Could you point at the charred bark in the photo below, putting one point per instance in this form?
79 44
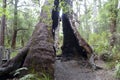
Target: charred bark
55 17
73 43
74 46
55 24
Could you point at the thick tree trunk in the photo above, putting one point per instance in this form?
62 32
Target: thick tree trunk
38 56
73 43
41 53
74 46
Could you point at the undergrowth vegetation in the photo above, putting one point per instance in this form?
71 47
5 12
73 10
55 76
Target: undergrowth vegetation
101 46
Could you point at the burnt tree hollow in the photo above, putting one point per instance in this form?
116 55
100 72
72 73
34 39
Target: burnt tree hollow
71 47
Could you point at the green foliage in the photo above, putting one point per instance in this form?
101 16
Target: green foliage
65 7
99 41
29 77
17 72
46 12
101 46
35 77
117 71
113 57
45 77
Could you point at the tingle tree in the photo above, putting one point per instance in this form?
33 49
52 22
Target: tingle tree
73 44
39 55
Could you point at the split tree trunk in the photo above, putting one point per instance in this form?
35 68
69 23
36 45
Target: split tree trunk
73 43
74 46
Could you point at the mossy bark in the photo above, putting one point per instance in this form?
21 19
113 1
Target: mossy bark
40 58
38 55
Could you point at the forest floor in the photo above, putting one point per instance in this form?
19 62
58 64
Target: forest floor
76 70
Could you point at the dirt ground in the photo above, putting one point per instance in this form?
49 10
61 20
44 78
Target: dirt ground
76 70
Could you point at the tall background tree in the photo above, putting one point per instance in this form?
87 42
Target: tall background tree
2 30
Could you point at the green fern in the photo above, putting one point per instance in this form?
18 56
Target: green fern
117 71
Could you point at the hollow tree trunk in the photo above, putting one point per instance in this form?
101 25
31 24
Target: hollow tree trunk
38 55
73 43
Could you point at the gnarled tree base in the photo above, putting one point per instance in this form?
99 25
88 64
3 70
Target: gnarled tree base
38 56
74 46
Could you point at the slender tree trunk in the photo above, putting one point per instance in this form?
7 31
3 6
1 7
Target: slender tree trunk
22 41
14 36
2 31
55 24
86 20
113 22
100 5
3 24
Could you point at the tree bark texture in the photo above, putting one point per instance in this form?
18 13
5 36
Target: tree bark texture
39 55
113 21
3 24
55 24
14 36
73 43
